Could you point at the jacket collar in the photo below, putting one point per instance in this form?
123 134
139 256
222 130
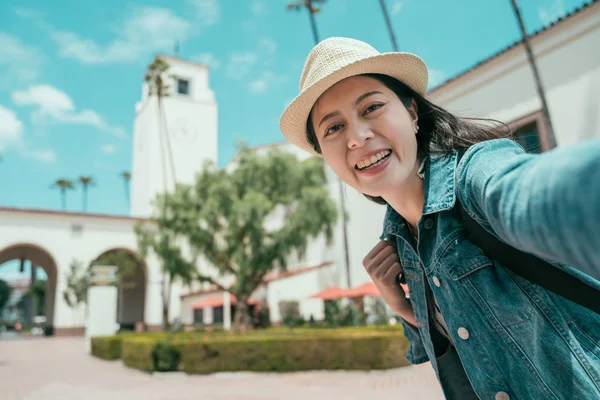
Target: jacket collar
438 173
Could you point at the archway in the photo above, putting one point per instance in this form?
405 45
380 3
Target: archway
131 273
38 258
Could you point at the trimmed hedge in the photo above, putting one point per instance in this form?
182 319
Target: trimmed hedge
352 352
279 350
107 347
136 352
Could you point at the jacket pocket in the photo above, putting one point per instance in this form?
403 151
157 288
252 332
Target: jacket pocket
460 256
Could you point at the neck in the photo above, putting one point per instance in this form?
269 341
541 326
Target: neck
408 198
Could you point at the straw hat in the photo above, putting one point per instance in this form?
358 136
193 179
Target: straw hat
338 58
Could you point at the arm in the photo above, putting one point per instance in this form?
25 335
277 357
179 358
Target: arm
547 205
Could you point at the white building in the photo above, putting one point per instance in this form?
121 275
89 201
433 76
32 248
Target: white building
500 87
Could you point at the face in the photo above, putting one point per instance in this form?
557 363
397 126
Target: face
367 135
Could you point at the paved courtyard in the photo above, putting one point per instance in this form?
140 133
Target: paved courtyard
58 368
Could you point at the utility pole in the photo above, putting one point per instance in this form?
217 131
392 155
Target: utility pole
538 82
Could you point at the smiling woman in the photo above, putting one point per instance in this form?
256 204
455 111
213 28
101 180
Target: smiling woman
366 114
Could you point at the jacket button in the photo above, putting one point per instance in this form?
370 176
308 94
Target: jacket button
428 224
463 333
502 396
436 281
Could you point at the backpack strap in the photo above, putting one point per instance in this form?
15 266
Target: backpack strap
530 267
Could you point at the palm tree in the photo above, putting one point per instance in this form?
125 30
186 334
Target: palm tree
126 176
389 24
312 10
536 75
86 181
157 87
63 185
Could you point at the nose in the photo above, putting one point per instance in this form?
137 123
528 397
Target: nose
359 135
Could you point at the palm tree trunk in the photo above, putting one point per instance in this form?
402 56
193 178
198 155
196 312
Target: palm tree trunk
63 196
162 146
313 25
85 189
168 140
389 24
538 82
126 184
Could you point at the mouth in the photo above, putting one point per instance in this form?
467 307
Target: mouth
374 161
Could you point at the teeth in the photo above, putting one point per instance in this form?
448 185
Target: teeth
370 161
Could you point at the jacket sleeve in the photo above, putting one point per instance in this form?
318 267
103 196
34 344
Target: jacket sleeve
545 204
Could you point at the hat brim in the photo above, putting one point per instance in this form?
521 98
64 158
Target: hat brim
405 67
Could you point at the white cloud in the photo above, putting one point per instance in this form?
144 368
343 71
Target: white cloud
145 30
267 44
207 11
11 136
108 149
42 155
397 7
19 63
551 12
264 81
259 8
208 59
54 105
11 129
240 64
436 77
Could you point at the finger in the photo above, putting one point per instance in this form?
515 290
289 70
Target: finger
382 268
376 249
392 273
383 254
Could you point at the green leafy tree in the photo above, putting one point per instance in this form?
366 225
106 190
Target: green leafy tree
77 285
224 215
86 181
164 244
63 185
38 294
5 292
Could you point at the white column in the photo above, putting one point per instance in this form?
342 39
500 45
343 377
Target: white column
226 311
102 316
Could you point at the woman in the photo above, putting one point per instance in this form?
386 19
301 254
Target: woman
488 333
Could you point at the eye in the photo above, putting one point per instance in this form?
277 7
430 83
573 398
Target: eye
372 108
333 129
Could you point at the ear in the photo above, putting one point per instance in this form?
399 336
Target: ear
413 111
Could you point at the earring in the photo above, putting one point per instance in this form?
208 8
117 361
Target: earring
417 127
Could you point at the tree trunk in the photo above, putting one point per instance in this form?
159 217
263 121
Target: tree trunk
63 196
126 183
313 25
166 294
168 140
389 24
241 321
538 82
85 189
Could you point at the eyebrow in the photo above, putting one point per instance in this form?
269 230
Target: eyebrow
358 100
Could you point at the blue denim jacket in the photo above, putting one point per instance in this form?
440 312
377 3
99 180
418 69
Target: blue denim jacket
512 336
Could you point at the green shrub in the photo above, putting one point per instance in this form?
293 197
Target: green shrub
324 351
106 347
165 357
136 352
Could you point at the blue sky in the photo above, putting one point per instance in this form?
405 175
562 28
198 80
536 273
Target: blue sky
71 72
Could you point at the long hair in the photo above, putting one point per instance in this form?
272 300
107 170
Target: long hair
440 132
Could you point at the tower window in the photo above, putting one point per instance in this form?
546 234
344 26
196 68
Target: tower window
183 86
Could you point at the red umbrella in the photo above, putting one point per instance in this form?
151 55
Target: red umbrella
330 293
366 289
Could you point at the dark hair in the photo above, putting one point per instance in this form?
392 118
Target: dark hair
440 132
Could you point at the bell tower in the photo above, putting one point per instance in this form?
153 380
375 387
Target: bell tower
172 140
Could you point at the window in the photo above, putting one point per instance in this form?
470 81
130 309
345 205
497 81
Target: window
530 132
198 316
183 86
218 315
528 137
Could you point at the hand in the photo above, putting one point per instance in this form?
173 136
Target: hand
382 264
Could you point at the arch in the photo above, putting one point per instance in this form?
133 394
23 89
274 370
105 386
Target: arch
42 258
131 298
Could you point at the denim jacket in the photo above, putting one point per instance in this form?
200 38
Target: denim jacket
513 337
